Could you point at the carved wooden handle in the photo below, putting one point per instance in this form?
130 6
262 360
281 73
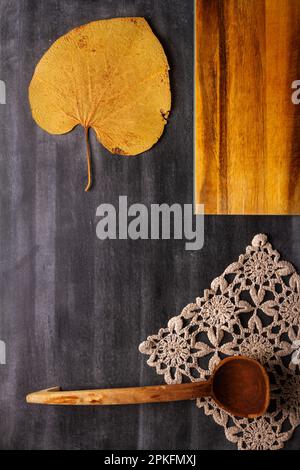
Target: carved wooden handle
121 396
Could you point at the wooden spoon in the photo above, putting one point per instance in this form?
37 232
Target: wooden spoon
239 385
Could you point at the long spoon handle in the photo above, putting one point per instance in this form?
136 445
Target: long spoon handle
121 396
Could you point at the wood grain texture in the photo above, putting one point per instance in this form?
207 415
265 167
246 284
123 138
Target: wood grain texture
247 128
121 396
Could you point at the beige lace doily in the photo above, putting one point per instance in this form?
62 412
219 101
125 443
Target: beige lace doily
252 309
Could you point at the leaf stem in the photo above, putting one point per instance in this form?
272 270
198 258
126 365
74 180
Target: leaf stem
88 159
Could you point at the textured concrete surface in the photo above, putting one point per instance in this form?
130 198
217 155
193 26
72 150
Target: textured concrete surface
73 308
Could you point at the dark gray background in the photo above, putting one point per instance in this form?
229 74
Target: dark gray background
73 308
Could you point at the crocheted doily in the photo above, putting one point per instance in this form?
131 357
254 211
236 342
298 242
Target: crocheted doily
252 309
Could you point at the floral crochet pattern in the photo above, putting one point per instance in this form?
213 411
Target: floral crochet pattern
252 309
296 354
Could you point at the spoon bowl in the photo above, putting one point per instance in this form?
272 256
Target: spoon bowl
240 386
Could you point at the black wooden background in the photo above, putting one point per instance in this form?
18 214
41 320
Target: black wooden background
73 308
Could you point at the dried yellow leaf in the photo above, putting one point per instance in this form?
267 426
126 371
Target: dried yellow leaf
109 75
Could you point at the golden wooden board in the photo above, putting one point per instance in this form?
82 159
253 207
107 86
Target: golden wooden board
247 150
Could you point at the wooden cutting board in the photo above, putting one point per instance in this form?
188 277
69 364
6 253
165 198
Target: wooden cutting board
247 153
